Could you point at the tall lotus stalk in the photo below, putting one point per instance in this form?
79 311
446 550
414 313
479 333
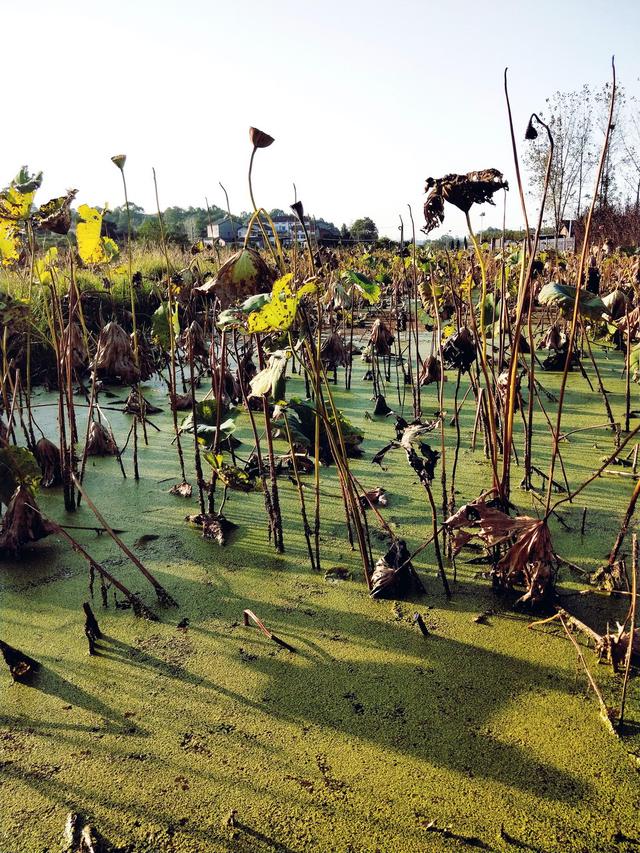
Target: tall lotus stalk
260 139
583 255
299 212
523 292
119 160
463 191
172 336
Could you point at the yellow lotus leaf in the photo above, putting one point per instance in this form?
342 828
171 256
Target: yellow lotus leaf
92 248
9 243
110 248
17 198
44 266
279 313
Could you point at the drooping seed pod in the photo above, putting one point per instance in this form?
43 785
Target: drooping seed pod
260 139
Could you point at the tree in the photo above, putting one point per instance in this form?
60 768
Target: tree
614 156
116 221
569 116
631 145
326 232
150 230
345 234
364 230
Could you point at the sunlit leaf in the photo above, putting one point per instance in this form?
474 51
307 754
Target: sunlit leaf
17 198
369 290
44 266
92 248
9 243
271 380
280 311
233 316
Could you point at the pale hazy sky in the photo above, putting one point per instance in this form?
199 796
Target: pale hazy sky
365 99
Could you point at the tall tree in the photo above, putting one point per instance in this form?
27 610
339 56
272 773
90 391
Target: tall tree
569 116
364 230
609 185
630 137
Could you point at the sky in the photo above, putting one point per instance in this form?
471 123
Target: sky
365 99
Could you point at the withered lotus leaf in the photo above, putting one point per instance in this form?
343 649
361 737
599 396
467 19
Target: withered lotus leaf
502 387
73 347
379 456
528 559
182 402
99 441
114 355
214 527
462 191
22 523
55 215
381 408
394 575
137 404
181 490
48 456
617 302
615 646
21 666
298 209
244 274
433 207
333 352
459 350
630 324
553 338
381 338
374 496
431 371
530 133
119 160
192 341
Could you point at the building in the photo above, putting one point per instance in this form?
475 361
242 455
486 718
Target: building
563 241
288 229
226 230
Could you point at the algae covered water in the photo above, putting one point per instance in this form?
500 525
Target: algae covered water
370 737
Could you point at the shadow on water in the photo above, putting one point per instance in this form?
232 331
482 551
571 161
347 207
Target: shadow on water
51 683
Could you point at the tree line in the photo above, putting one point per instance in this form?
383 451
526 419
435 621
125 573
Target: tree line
184 226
